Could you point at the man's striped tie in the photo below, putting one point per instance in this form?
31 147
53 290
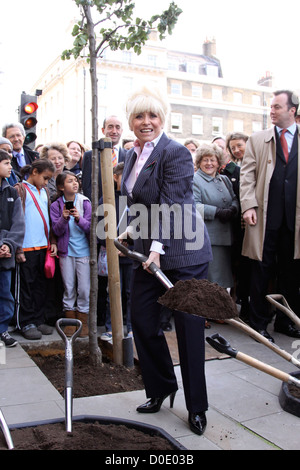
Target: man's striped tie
114 157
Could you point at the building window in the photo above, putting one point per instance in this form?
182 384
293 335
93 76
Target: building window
238 125
217 94
152 60
127 84
192 67
212 70
101 114
197 91
127 57
217 126
256 126
256 100
102 81
237 97
176 88
197 124
172 65
176 122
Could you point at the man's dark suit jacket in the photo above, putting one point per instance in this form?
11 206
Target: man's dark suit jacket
30 156
283 188
87 172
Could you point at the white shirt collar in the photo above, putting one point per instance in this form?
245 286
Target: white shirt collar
291 129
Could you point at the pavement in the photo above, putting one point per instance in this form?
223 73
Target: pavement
244 410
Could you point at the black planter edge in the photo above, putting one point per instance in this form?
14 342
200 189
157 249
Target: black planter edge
146 428
287 401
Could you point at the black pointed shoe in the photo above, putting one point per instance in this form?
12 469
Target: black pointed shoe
288 330
154 404
197 422
266 334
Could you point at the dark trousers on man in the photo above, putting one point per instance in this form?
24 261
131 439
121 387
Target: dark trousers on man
279 267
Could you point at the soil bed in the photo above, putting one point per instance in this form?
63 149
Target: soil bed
84 436
87 381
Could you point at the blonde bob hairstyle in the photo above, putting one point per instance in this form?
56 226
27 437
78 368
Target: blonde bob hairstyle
61 148
146 100
208 150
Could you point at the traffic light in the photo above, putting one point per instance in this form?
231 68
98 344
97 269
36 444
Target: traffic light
27 117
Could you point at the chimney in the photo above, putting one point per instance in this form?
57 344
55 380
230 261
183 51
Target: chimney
210 48
266 80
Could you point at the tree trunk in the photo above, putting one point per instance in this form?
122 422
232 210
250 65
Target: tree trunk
94 350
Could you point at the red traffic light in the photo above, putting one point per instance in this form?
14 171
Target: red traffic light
27 116
30 108
30 122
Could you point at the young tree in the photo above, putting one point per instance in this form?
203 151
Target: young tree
117 28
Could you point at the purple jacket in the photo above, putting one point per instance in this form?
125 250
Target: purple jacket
60 226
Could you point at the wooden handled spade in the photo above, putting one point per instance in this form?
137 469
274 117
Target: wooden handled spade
238 323
222 345
203 305
275 298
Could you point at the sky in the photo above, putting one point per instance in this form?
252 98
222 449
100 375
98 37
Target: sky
251 36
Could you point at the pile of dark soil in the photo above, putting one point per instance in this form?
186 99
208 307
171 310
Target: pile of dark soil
200 297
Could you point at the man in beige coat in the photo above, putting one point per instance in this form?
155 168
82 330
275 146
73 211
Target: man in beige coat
270 202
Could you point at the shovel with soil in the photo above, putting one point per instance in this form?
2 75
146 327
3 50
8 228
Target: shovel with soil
195 296
203 298
210 301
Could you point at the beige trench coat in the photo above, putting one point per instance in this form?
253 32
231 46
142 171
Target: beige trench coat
256 172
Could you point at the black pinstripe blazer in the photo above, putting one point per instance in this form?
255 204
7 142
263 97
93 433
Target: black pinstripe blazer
165 182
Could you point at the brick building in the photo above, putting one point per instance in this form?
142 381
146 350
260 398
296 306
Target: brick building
202 102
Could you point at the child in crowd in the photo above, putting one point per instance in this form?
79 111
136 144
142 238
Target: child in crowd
6 145
71 216
34 196
12 228
125 263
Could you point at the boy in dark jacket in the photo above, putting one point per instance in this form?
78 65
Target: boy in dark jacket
12 229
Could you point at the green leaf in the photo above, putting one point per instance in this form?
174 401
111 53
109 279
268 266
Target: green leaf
137 31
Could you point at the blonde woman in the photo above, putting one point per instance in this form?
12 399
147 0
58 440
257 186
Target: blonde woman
160 171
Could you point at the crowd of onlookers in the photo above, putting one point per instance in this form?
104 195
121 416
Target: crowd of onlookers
45 202
45 179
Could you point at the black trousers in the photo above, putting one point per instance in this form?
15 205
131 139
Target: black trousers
278 263
153 352
32 289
